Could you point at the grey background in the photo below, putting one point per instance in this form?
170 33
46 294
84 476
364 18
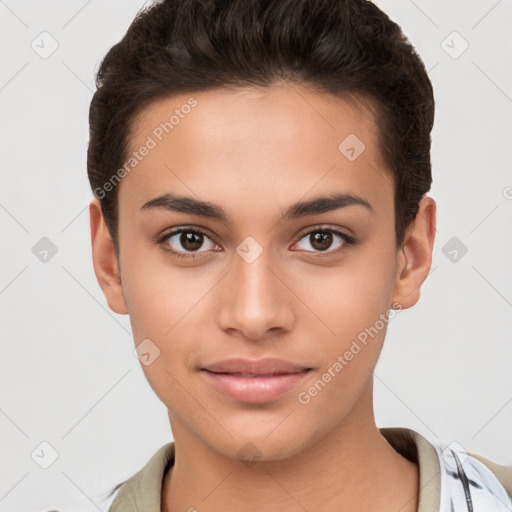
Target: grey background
68 375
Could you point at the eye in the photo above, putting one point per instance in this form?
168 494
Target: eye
325 240
186 242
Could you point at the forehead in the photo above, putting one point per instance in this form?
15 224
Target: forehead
252 143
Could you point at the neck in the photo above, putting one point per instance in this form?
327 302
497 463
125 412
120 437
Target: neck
352 467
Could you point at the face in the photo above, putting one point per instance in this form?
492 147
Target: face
258 263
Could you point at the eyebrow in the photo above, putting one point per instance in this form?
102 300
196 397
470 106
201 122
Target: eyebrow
318 205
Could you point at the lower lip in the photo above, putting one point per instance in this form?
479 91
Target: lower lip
254 390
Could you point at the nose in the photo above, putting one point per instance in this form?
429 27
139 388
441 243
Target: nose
253 300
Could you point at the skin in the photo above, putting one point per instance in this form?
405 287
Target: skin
254 152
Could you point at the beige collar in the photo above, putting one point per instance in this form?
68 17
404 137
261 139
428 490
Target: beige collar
142 492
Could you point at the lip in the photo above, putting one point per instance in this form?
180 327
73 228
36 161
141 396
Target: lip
254 381
266 366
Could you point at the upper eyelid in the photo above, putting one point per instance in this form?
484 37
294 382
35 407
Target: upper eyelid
323 227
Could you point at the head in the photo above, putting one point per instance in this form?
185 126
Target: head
260 172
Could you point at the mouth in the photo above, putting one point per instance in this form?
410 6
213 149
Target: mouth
254 381
243 374
266 366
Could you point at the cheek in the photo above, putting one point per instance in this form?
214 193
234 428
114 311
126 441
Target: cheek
161 310
354 306
162 314
352 302
166 305
352 296
159 296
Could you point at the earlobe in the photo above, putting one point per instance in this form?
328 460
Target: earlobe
105 262
415 256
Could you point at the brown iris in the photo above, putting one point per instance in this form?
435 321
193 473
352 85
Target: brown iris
321 240
191 241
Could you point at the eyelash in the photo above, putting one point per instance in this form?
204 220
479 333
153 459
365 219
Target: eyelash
348 240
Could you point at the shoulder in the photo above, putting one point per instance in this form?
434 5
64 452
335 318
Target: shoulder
469 477
142 492
448 473
502 473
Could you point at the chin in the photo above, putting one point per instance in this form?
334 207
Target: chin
253 445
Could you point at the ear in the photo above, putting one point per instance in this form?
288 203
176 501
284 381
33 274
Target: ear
415 255
104 259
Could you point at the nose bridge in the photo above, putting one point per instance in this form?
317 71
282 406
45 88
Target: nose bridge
253 299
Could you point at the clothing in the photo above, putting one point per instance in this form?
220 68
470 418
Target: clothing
451 480
467 484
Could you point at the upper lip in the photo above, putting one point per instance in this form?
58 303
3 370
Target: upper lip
266 366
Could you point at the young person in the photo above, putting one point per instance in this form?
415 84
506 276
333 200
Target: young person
260 171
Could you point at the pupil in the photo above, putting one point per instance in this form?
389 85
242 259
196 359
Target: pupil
191 241
321 240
